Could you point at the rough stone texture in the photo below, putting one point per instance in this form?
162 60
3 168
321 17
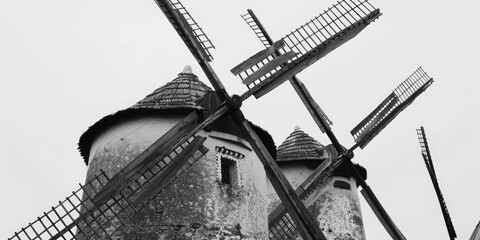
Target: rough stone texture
121 143
196 205
338 212
295 172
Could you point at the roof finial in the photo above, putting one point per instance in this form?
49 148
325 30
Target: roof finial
187 70
297 128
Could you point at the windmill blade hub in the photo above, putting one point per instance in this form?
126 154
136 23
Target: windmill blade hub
235 102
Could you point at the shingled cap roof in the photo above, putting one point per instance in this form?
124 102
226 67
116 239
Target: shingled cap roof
299 146
180 93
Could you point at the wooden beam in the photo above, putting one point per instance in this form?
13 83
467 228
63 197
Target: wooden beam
382 215
320 118
257 57
375 205
311 182
189 41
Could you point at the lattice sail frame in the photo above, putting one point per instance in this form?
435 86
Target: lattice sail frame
90 226
80 217
317 113
427 157
191 27
309 38
253 23
397 101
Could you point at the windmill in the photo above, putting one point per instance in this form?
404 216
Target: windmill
422 138
106 201
363 133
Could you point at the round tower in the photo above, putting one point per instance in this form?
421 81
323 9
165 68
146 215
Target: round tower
221 196
334 203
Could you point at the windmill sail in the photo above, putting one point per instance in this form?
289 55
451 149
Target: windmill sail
253 22
313 108
280 223
72 219
396 102
422 138
188 29
90 218
312 41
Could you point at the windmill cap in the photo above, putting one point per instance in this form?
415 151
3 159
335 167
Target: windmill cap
180 94
299 146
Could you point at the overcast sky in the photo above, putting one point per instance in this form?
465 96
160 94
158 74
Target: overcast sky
66 64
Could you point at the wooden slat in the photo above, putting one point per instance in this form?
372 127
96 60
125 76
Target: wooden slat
194 41
161 180
276 62
392 115
257 57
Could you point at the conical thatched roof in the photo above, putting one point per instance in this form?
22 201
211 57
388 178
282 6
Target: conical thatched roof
299 146
178 94
181 92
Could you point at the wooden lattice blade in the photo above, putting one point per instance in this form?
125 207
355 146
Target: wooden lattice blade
253 22
422 138
128 184
318 115
395 103
193 36
310 58
75 218
311 41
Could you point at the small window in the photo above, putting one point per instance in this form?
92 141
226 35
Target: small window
227 170
341 185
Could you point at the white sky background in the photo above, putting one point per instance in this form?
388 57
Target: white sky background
66 64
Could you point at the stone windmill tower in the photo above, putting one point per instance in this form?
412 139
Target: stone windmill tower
335 203
223 193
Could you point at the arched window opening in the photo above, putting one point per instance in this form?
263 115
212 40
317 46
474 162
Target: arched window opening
342 185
